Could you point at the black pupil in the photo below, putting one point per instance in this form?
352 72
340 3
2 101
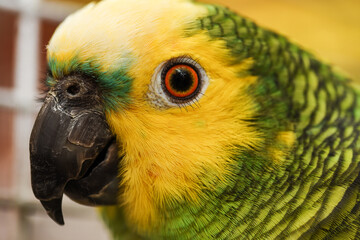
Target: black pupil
181 80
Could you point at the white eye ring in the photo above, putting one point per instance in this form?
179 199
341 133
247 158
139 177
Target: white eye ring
160 97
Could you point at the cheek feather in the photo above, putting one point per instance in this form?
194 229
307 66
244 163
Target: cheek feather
172 155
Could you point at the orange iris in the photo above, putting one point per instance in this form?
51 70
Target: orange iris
181 81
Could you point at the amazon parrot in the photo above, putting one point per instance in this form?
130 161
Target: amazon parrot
184 120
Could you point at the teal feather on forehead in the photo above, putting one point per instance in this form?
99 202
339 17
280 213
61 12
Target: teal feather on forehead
115 84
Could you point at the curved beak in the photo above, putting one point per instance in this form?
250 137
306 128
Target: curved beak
72 152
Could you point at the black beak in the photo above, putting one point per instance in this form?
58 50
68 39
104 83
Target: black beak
72 151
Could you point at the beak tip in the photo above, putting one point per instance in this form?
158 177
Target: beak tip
53 209
57 217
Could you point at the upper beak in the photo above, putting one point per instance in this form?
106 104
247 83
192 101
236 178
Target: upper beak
72 152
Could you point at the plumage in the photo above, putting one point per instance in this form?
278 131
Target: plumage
265 147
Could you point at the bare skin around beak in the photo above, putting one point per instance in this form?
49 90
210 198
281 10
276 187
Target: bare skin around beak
72 151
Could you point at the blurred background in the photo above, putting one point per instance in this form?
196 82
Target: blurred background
328 28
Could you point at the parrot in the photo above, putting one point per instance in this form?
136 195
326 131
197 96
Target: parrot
184 120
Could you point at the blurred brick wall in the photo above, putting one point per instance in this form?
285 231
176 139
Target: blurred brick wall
6 150
7 47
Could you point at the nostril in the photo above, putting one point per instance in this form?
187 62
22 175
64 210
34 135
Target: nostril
73 89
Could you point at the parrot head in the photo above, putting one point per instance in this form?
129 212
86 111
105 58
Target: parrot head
145 110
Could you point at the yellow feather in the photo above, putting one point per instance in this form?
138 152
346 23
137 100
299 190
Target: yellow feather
167 151
121 30
168 154
281 147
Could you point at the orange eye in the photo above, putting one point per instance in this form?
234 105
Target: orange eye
181 81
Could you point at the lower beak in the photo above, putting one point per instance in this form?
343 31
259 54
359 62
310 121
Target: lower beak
72 152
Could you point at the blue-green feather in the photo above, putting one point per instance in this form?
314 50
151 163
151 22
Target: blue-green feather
115 85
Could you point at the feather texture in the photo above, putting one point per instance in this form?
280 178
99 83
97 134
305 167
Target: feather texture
269 152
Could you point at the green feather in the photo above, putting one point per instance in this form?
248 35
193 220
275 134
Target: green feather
315 194
322 106
115 85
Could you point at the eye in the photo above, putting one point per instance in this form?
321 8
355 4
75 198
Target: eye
177 82
181 81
